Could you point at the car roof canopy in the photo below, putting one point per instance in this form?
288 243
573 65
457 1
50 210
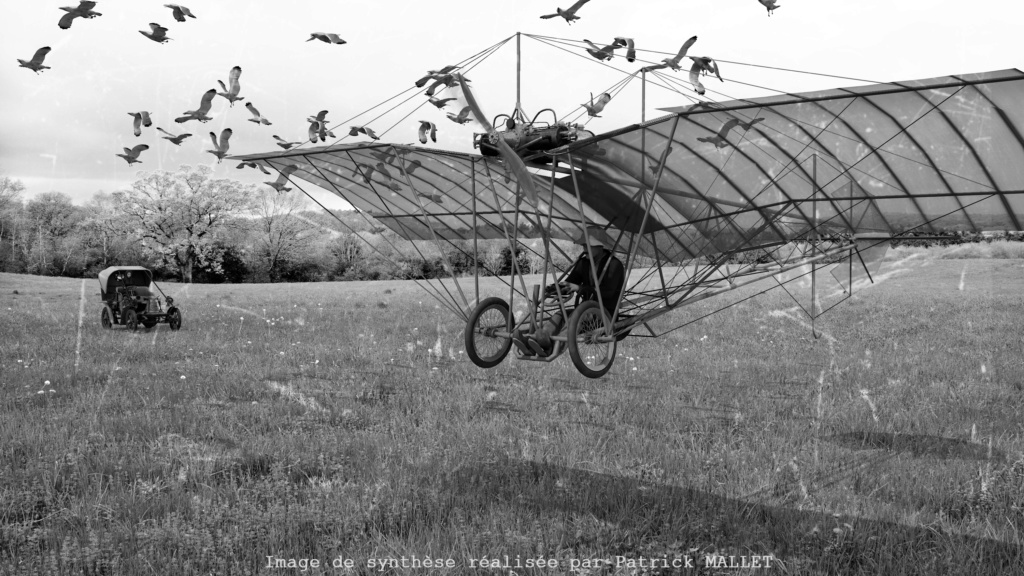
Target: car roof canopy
142 276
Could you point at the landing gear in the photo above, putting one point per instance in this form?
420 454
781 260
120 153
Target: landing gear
591 348
487 338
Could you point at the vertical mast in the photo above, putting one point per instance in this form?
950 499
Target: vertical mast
519 69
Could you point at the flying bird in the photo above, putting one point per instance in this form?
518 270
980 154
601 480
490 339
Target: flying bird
598 106
175 139
434 73
282 178
440 102
318 127
770 5
36 63
158 34
325 37
180 12
132 154
141 119
284 143
569 14
427 127
200 113
673 62
605 53
356 130
221 148
448 80
462 117
705 65
254 165
231 91
630 48
720 140
83 10
256 116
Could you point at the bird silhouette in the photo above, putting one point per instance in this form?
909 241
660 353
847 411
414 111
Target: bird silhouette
284 143
630 48
440 102
655 167
449 80
256 116
318 127
179 12
705 65
673 62
462 117
83 10
251 164
132 154
175 139
427 127
221 147
412 166
36 63
200 113
606 53
158 34
598 106
231 91
141 119
357 130
569 14
326 37
720 140
282 178
435 198
434 73
770 5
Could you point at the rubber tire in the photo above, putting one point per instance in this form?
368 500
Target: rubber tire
174 318
581 317
131 320
471 333
106 318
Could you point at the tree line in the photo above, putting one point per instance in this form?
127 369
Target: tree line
188 226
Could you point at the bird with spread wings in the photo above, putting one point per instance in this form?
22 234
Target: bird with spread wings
569 14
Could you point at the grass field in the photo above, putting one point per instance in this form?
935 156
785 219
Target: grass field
342 421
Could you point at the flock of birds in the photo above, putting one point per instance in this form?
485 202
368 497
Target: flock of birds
319 130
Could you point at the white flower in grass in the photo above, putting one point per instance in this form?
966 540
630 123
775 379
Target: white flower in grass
47 382
41 392
52 390
182 376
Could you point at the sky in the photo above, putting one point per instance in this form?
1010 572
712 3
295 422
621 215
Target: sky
60 129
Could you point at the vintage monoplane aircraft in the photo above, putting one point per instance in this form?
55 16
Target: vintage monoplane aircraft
706 199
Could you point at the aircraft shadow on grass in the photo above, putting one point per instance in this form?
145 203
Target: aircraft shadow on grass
652 519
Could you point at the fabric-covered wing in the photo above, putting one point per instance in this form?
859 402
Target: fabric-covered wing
419 192
929 156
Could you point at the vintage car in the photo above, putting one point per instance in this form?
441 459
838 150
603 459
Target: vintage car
128 299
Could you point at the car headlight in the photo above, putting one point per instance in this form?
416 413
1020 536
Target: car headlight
170 300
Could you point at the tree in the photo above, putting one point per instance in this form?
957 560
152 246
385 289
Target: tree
10 206
178 215
53 217
280 231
